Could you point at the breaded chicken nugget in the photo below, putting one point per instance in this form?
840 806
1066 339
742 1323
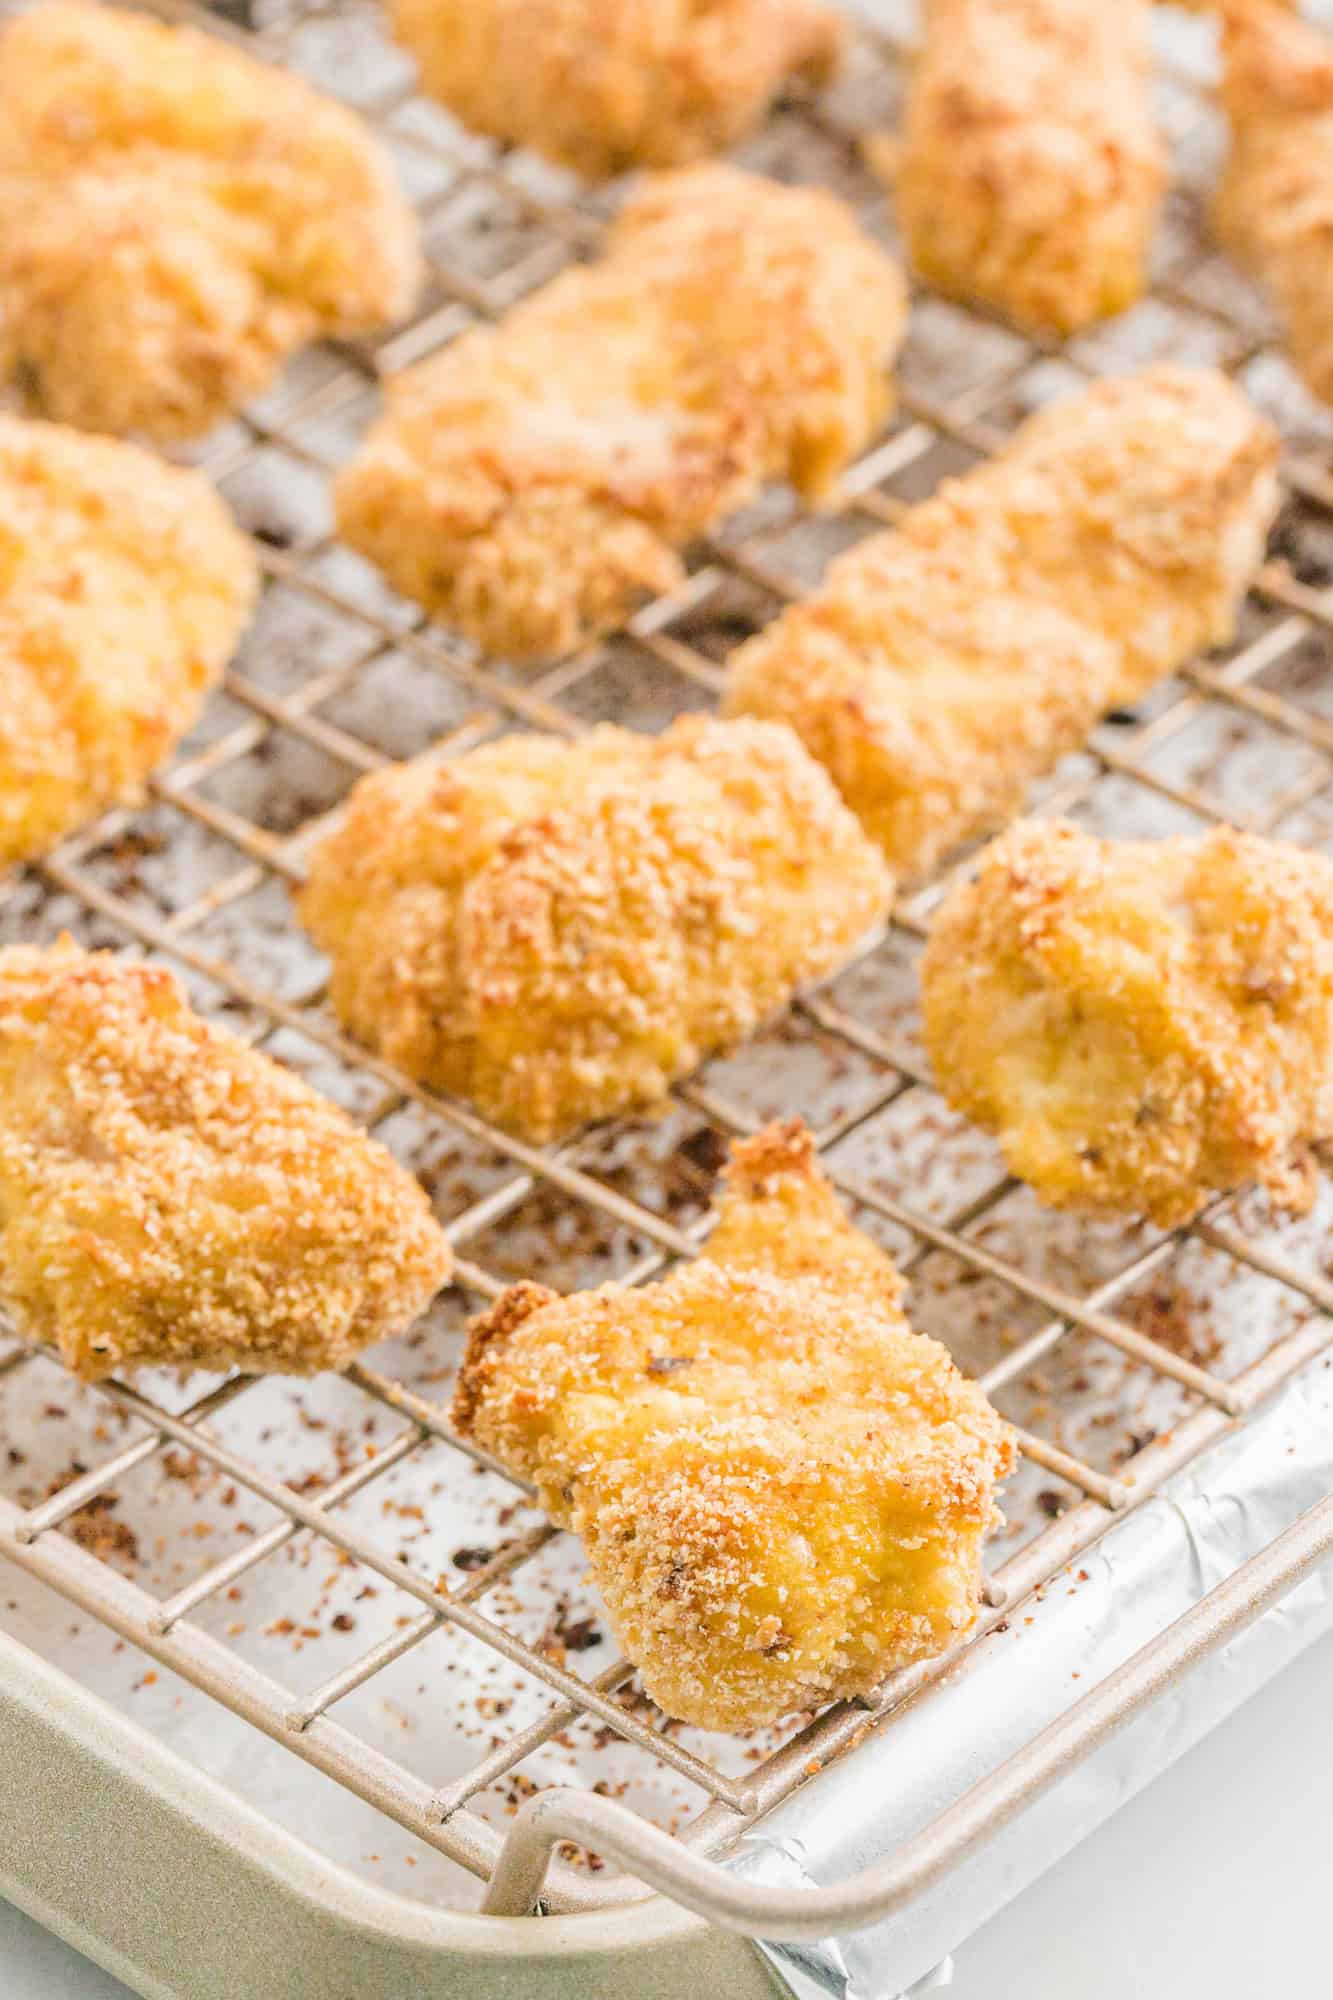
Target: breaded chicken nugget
124 587
1030 170
942 667
530 483
783 1491
602 85
176 219
1142 1024
1275 208
169 1195
558 930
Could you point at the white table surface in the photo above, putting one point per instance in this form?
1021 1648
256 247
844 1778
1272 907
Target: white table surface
1214 1884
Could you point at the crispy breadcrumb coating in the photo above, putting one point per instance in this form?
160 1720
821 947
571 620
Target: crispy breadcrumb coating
531 482
169 1195
124 587
1142 1024
1030 170
945 665
777 1213
176 219
558 930
603 85
1275 208
783 1491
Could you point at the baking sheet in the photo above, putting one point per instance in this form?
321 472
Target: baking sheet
304 1613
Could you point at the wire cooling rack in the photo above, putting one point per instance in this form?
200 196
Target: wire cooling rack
329 1562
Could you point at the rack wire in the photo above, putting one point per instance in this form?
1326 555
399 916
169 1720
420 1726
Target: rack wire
496 225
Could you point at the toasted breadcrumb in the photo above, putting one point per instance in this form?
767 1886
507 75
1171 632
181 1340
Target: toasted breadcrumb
945 665
776 1212
602 85
1142 1024
169 1195
1030 170
783 1491
176 219
558 930
124 587
530 483
1275 208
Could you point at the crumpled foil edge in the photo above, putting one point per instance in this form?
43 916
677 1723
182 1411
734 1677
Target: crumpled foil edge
1145 1572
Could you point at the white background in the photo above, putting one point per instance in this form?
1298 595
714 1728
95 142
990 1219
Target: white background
1214 1884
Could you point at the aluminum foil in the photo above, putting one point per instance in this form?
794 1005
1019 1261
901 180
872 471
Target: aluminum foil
1145 1572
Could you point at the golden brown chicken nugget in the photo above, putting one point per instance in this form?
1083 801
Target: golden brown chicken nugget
124 587
943 666
1275 207
534 480
176 219
1030 170
1142 1024
169 1195
558 930
783 1491
602 85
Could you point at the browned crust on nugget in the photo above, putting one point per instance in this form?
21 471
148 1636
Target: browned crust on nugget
777 1212
488 1339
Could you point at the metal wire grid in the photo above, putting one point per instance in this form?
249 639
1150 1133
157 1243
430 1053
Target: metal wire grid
1290 612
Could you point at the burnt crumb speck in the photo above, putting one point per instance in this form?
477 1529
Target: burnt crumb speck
95 1528
689 1173
706 1150
568 1634
578 1636
471 1558
1052 1504
672 1582
1123 718
1286 545
273 534
1178 1321
708 628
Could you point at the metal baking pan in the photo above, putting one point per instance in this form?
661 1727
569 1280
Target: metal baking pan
249 1746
